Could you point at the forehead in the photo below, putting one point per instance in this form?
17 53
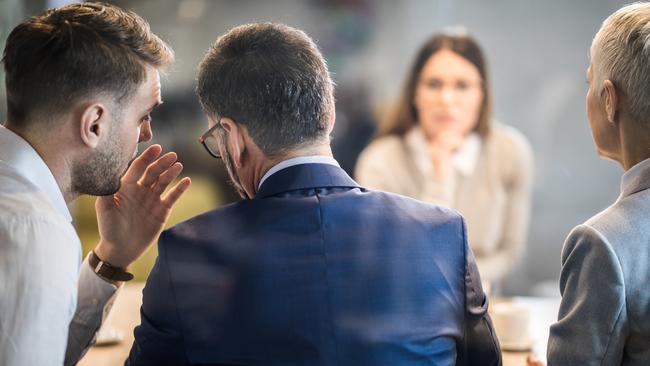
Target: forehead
148 92
448 64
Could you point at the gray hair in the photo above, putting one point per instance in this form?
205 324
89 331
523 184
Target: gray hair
620 52
273 80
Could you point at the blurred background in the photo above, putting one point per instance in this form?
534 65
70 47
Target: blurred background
537 53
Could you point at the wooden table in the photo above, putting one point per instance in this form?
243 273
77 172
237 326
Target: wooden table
126 315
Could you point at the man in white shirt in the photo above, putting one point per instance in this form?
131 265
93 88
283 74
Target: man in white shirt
81 81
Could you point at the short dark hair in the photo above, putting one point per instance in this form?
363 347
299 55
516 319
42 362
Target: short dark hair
273 80
406 115
58 58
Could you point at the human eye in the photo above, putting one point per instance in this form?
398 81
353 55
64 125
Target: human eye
463 85
434 84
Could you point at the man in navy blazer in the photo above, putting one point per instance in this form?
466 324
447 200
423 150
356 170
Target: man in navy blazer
310 268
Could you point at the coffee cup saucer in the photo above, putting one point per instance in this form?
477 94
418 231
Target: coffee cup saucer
522 345
107 336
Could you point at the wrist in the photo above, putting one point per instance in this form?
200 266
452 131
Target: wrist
107 252
106 270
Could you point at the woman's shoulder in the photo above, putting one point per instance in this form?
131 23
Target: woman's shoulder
382 155
384 145
508 138
510 150
379 162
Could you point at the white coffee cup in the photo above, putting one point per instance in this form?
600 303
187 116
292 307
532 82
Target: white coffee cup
512 324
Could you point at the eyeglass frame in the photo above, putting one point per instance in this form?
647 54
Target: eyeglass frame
205 136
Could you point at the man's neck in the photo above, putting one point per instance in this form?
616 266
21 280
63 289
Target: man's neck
268 163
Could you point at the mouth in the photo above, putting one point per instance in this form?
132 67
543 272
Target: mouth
445 119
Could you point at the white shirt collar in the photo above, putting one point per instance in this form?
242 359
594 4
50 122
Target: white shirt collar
18 154
314 159
464 159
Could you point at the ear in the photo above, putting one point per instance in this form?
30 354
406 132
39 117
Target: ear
92 124
612 101
235 140
332 121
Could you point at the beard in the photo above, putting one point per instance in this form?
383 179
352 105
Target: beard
100 174
230 168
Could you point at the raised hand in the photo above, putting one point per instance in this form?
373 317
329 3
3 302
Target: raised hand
131 220
441 148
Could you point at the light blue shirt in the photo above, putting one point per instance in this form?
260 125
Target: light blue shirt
313 159
40 254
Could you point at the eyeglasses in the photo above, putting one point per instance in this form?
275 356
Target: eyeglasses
209 141
460 88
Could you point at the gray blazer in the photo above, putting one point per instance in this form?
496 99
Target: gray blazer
604 317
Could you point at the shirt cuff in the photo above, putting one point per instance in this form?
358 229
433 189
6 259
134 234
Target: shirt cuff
95 295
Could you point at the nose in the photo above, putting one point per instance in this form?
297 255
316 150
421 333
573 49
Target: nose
145 132
447 95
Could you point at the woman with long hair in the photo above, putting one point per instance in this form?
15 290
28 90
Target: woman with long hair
442 146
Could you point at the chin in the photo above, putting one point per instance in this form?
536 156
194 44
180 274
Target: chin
108 189
608 156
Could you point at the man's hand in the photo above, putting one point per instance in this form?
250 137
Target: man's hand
131 220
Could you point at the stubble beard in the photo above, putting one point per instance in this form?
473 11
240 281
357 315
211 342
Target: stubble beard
100 174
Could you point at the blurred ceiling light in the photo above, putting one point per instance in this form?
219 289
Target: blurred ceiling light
57 3
191 10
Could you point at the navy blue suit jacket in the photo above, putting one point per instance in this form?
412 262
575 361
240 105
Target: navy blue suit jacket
316 270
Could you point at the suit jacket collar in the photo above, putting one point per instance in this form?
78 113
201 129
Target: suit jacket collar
636 179
305 176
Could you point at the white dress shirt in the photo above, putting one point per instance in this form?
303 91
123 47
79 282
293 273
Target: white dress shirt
463 159
312 159
40 254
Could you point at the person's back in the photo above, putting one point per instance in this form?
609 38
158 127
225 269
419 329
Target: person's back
311 269
611 297
626 227
323 274
604 316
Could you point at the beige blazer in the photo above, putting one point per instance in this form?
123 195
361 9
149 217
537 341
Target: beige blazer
494 195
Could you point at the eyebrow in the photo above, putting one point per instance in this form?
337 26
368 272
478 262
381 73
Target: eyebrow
158 103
